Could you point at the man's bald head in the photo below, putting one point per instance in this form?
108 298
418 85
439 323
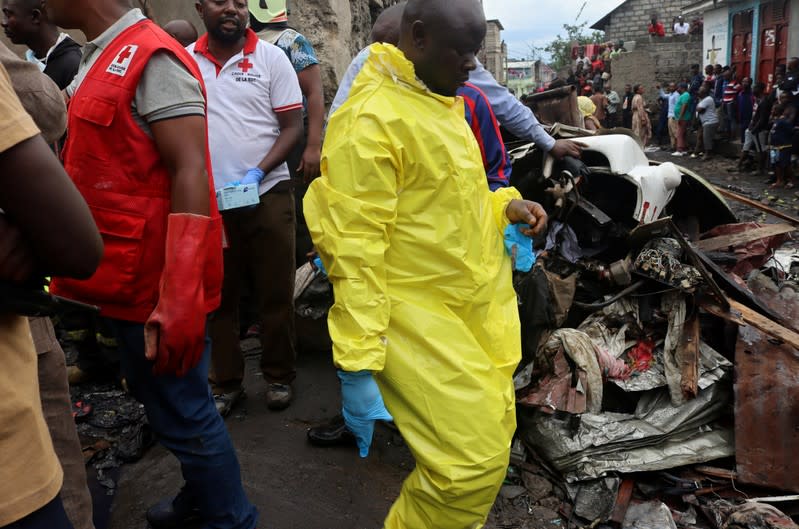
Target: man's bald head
446 15
387 26
441 38
182 31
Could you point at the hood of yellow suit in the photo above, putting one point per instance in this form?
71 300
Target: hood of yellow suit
386 60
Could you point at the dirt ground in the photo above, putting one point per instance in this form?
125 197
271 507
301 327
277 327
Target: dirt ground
297 486
294 485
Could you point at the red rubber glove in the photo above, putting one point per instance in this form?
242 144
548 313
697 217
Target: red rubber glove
174 335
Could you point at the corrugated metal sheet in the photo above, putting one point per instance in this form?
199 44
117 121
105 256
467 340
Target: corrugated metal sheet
766 411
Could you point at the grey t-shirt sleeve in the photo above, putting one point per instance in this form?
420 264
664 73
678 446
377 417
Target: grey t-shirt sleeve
167 90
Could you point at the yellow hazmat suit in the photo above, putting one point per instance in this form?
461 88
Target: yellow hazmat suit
412 241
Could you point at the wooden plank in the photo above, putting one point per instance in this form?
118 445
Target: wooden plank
716 472
733 239
743 315
622 501
766 325
757 205
732 317
774 499
688 358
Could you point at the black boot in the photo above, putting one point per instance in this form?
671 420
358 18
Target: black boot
173 513
332 433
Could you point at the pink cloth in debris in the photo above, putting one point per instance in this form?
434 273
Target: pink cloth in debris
642 355
611 367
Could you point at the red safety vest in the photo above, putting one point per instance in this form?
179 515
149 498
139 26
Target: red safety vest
118 170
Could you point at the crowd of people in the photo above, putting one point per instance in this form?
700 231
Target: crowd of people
717 105
720 106
129 141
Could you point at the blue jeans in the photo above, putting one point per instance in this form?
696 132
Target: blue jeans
730 120
183 416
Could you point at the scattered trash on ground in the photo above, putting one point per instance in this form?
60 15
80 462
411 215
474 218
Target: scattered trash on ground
113 431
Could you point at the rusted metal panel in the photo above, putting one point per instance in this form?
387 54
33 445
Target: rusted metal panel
766 411
557 106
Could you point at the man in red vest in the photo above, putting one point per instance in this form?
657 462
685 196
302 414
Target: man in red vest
137 151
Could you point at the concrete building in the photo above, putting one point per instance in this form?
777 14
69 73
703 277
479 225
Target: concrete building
651 60
494 53
630 19
525 77
754 36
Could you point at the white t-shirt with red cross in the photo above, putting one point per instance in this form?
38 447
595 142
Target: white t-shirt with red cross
245 96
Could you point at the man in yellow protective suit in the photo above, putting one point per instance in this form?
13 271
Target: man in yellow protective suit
412 239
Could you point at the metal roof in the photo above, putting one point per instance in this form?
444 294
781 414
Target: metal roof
602 22
702 5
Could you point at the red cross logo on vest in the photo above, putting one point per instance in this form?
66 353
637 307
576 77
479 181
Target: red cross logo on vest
124 54
119 66
245 65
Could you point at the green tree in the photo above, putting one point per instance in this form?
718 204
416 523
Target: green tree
560 49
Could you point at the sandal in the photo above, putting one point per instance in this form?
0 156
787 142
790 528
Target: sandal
81 411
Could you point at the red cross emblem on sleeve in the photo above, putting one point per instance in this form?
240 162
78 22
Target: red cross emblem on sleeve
245 65
119 66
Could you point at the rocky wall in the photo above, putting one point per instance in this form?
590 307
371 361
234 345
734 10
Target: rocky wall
336 28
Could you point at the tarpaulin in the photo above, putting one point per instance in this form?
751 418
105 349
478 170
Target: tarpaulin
657 436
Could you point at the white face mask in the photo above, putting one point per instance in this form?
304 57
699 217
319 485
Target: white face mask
42 63
31 57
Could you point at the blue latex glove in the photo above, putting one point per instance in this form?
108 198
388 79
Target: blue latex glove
253 176
320 265
362 405
514 238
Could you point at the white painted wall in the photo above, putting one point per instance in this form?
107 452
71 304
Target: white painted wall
715 37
